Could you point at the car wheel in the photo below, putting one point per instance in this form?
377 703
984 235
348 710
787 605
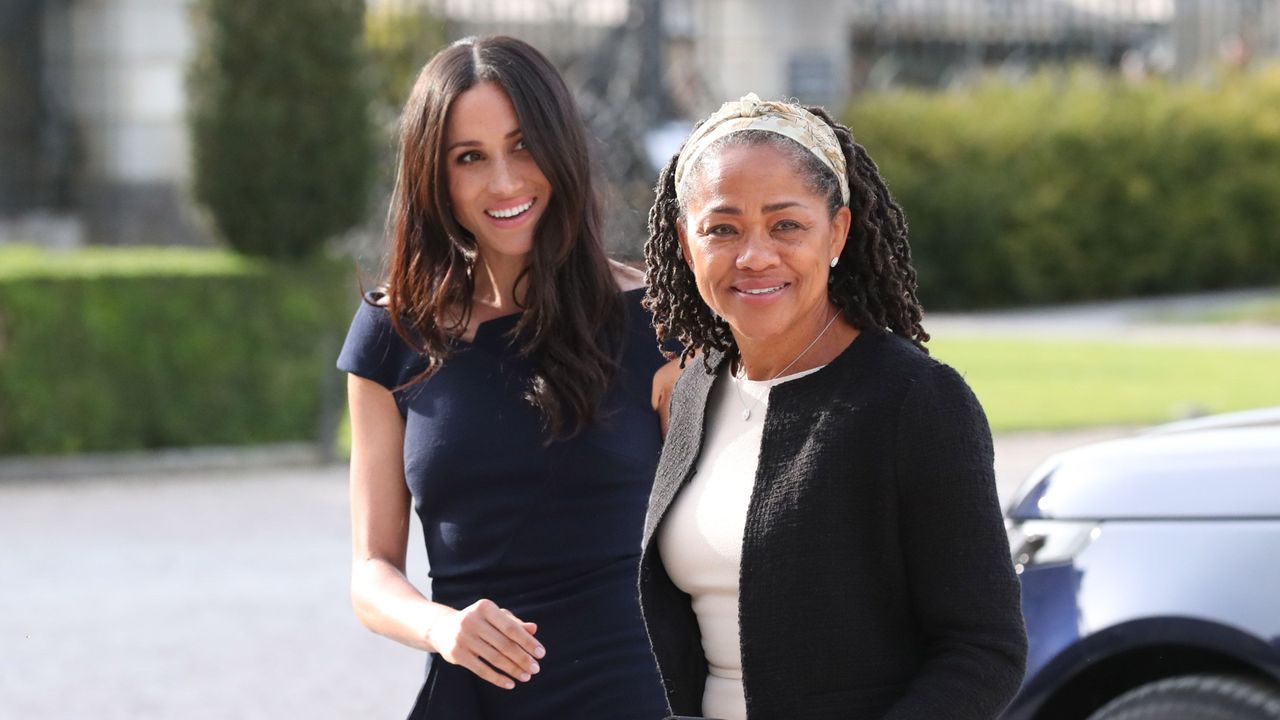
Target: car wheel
1196 697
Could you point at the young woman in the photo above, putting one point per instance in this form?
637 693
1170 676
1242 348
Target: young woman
502 382
823 538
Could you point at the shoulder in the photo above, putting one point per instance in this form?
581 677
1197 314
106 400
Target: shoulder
628 278
373 349
894 376
894 357
372 320
372 314
936 397
692 384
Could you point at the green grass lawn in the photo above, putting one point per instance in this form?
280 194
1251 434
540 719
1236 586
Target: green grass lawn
21 261
1027 385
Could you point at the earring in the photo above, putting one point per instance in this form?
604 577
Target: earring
835 260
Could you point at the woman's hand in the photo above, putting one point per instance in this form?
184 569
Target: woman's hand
488 641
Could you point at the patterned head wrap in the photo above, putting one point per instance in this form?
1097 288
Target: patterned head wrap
786 119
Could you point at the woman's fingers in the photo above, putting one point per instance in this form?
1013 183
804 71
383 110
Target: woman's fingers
496 645
503 654
522 633
508 636
482 670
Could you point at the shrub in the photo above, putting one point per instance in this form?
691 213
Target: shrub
400 40
1079 186
132 349
282 140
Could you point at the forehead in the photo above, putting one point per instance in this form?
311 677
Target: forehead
746 175
479 112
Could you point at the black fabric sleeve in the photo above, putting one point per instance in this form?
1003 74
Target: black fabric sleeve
373 350
642 332
964 593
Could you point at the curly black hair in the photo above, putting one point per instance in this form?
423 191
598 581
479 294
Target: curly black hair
874 285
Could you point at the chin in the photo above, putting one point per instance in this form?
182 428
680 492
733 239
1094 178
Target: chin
755 328
511 247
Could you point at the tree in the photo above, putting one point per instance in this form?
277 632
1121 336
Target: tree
282 139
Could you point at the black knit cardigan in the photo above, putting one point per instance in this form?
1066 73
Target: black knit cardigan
876 580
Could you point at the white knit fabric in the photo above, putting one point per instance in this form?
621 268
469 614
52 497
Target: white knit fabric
700 540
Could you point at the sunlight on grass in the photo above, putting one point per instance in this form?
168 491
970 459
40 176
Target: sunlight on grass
1044 385
23 261
1048 385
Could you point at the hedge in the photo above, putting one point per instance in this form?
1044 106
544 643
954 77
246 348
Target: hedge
123 349
1079 185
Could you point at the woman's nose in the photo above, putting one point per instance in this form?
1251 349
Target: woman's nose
505 179
757 251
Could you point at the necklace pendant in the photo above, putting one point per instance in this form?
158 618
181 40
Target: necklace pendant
746 414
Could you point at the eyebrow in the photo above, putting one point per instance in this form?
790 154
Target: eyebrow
477 143
770 208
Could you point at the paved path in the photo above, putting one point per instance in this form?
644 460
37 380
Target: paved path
1162 320
216 595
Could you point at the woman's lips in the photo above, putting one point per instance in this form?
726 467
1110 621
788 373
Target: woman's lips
760 291
512 215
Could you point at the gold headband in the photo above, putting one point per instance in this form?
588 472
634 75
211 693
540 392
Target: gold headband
751 113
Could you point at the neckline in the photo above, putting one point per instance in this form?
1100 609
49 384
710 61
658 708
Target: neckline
747 382
719 361
508 319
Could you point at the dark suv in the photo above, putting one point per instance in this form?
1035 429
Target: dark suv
1150 574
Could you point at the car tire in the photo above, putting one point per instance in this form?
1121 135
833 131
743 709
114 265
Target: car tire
1196 697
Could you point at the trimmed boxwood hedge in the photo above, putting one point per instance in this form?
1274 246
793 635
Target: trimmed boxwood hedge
1079 185
122 349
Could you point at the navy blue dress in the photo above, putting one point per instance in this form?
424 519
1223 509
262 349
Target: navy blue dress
550 532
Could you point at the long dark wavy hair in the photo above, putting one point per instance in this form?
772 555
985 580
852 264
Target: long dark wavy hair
874 285
573 315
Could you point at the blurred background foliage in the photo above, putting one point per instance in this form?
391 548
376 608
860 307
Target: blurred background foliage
1080 185
282 139
399 39
139 348
1058 185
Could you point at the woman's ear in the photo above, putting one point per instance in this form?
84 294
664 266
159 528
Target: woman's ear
840 230
684 243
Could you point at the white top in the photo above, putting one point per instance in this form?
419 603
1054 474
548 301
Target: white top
700 540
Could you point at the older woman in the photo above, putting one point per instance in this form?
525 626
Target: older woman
823 538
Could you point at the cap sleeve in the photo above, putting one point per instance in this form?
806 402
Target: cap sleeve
644 344
373 350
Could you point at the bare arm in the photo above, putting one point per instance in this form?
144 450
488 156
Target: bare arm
627 277
384 599
664 382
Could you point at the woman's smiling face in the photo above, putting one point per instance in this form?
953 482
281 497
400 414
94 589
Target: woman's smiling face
760 241
497 191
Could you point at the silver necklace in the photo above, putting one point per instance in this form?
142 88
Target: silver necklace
746 409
